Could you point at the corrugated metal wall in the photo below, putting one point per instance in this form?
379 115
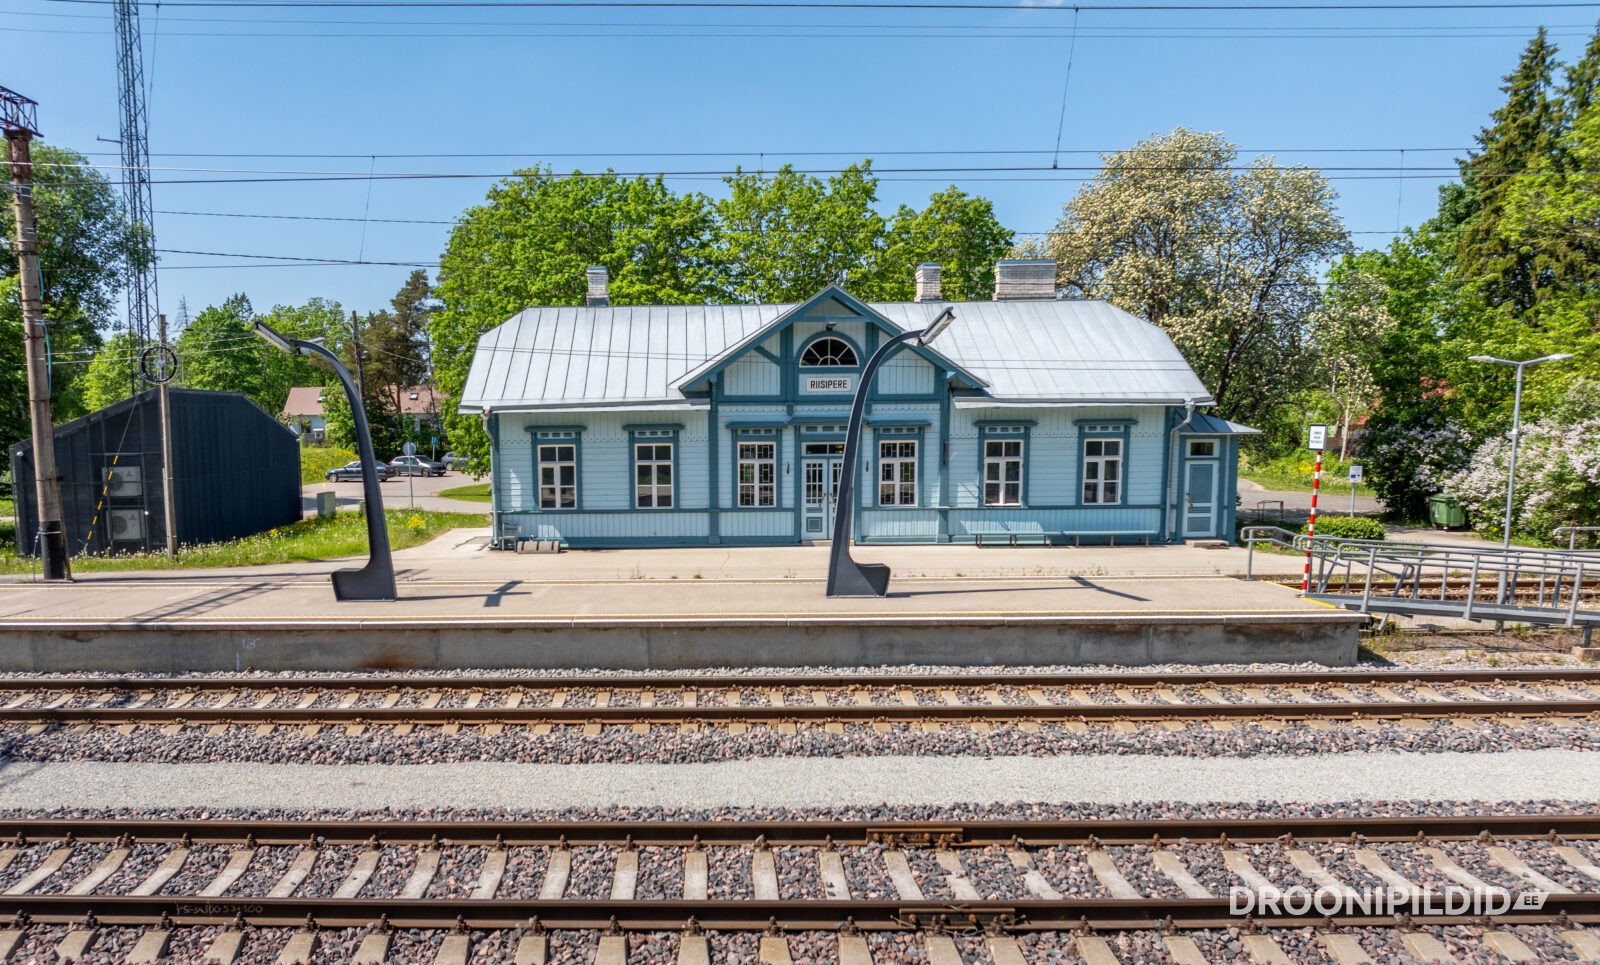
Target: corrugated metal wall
237 473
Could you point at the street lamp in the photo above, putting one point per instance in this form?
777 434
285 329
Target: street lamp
1516 427
375 581
846 577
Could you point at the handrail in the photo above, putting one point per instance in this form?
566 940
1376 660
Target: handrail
1572 534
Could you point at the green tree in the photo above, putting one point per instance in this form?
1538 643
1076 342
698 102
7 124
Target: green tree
83 244
1524 135
783 236
529 243
109 377
218 351
1226 260
958 231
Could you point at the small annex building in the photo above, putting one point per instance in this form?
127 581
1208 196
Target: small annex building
1031 419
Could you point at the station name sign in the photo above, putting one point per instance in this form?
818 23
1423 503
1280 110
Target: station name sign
828 383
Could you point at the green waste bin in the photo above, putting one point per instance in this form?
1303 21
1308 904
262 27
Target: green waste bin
1445 512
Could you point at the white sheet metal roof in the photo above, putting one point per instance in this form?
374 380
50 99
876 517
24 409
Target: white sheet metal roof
1074 352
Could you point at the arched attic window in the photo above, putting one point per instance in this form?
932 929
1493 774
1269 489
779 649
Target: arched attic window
829 352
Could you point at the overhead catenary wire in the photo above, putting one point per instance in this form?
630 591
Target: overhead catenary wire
1313 6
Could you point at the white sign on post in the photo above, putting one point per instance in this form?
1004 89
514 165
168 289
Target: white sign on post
1355 473
1319 438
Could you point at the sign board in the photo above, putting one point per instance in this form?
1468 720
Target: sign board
1319 438
1355 473
435 440
828 383
409 448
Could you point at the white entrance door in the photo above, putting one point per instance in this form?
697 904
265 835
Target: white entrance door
1200 499
821 477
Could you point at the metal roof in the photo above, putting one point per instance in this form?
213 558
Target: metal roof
1045 350
1201 424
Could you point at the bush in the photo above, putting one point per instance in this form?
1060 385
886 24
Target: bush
1409 460
1349 527
315 461
1558 472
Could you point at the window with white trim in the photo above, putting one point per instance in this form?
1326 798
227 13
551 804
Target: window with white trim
652 475
1102 472
897 472
1202 449
828 352
758 474
1002 472
558 476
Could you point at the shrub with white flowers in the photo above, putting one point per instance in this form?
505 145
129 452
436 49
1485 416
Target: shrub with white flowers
1558 472
1410 460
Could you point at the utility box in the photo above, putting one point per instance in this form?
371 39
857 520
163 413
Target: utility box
327 503
236 471
1445 512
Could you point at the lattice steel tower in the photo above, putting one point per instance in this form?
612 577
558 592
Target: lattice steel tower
143 300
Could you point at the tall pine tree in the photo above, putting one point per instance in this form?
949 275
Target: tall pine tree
1525 134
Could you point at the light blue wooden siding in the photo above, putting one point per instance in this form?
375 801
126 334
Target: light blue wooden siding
905 374
753 375
616 527
605 472
1053 456
746 524
965 522
899 525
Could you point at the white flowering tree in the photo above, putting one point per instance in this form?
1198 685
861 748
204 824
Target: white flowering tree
1558 472
1226 258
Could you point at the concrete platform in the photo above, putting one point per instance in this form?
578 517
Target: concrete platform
285 618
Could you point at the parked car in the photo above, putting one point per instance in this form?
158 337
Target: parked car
352 470
415 466
453 461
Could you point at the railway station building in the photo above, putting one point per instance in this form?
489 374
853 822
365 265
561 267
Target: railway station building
1032 419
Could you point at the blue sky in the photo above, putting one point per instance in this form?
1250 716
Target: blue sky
631 81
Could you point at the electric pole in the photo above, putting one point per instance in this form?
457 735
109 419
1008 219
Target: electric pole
355 343
19 116
164 375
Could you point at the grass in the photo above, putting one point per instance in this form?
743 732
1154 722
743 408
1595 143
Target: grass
315 461
8 507
1292 473
477 492
309 539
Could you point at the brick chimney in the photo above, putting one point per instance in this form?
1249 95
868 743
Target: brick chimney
928 282
1024 278
599 278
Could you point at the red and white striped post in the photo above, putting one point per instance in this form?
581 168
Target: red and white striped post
1319 442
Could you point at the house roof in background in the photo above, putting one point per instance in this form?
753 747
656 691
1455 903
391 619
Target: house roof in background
306 400
1045 350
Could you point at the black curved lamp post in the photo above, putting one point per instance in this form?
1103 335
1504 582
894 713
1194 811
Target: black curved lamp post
375 581
846 577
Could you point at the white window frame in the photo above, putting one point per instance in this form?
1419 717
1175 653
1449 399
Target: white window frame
1101 468
999 463
1194 443
897 472
835 358
757 455
654 464
549 455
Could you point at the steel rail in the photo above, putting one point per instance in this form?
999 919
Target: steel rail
370 682
813 833
728 914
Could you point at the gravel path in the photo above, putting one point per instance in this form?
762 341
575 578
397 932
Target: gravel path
809 782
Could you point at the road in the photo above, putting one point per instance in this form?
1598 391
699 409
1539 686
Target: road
401 492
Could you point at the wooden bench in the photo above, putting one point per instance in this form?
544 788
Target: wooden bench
1013 534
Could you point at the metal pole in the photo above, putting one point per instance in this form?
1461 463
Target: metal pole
1511 479
168 504
375 581
1311 526
46 484
846 577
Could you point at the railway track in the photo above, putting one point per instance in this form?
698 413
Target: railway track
790 702
526 887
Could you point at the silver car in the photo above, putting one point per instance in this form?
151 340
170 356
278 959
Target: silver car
415 466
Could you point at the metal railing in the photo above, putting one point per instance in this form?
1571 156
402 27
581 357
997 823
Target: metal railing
1572 533
1547 586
